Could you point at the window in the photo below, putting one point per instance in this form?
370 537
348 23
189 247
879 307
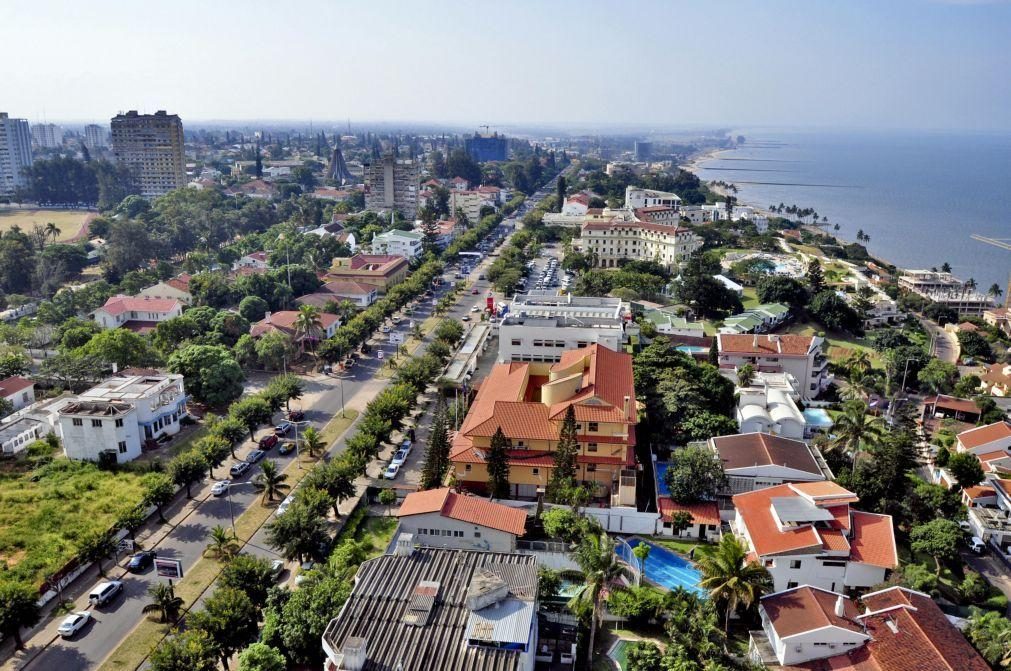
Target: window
477 534
457 534
516 342
122 447
769 563
119 423
590 468
836 564
593 426
520 444
536 471
591 447
77 421
467 468
791 584
794 563
96 422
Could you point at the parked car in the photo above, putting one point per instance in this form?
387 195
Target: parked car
399 458
283 506
287 447
267 442
296 416
407 445
239 468
384 329
105 592
276 568
391 471
256 455
475 291
475 309
977 545
74 623
141 560
283 428
465 319
220 488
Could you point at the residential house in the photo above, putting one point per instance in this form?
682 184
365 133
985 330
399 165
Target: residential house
705 519
399 243
996 381
990 517
528 402
444 518
576 204
254 188
951 407
284 321
672 324
755 461
176 288
379 270
137 313
437 608
256 260
18 390
759 319
17 435
470 202
806 533
899 628
362 295
92 428
797 355
333 194
985 439
998 317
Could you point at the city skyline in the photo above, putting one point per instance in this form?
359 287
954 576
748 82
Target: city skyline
910 64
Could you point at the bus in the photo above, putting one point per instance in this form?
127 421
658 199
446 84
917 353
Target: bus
468 256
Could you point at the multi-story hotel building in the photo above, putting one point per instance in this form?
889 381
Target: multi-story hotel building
15 153
151 146
529 401
608 242
392 184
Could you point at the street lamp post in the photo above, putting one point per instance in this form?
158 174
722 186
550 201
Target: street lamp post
298 454
228 495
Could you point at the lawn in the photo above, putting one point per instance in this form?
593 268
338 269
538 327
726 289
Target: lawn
377 532
43 521
839 345
683 546
750 298
68 221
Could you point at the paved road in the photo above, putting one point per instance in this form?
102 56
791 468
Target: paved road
188 539
946 347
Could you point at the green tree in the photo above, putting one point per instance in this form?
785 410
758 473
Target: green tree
261 657
253 412
164 602
815 277
230 619
990 633
856 431
938 538
387 497
288 387
973 343
966 469
437 450
714 353
274 350
122 347
641 552
335 477
731 580
644 656
232 430
308 325
214 449
187 469
19 608
299 533
498 466
97 547
834 313
212 374
745 375
600 566
781 289
563 475
159 490
191 650
695 473
271 481
253 308
224 545
560 193
938 376
249 575
967 386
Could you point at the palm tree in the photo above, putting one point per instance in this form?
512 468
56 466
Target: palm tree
224 544
731 579
857 364
857 431
53 231
641 552
270 480
595 556
312 441
308 324
995 291
745 375
945 267
346 310
164 601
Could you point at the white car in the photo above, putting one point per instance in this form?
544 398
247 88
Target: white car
282 507
220 488
399 458
391 471
276 568
74 623
475 309
384 329
406 445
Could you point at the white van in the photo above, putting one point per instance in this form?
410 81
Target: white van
105 592
977 545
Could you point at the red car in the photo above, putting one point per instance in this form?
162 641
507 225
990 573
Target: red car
268 442
475 291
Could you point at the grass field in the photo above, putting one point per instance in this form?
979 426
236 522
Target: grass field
68 221
839 345
43 521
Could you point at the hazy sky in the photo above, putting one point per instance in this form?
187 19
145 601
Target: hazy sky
846 63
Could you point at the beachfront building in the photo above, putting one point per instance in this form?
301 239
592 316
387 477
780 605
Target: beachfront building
636 197
443 518
381 271
608 242
797 355
755 461
812 628
541 325
529 401
807 534
946 289
437 608
137 313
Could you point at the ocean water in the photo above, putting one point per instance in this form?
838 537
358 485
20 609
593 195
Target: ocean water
918 195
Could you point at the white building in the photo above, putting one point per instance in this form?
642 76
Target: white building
15 153
19 391
17 435
808 623
807 534
982 440
470 202
761 409
636 197
443 518
800 356
138 312
47 135
576 205
671 324
176 288
255 260
400 243
120 414
540 325
946 289
95 136
608 242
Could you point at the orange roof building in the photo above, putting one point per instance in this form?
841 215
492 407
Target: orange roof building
807 534
529 401
800 356
284 321
444 518
985 439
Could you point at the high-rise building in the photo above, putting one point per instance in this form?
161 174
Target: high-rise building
15 152
643 150
391 183
151 146
486 148
95 136
47 135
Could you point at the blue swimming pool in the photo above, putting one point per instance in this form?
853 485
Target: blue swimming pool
664 567
661 481
693 349
818 418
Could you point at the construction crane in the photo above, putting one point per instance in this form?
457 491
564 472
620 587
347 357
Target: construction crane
1003 243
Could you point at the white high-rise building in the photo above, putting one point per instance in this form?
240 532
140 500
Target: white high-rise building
95 136
15 152
47 135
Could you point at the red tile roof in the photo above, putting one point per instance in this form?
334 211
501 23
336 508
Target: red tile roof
873 540
982 435
807 608
119 304
284 321
825 492
470 509
979 492
754 509
347 288
952 403
13 385
747 450
782 345
706 512
180 282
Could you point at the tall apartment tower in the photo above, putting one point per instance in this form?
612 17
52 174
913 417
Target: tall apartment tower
391 183
15 153
47 135
151 146
95 136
